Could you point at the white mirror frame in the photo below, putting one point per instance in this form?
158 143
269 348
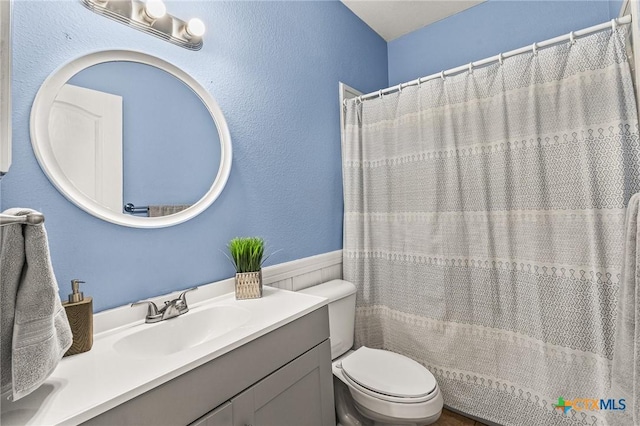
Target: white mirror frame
44 153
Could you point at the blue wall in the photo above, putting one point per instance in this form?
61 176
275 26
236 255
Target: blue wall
274 69
486 30
171 148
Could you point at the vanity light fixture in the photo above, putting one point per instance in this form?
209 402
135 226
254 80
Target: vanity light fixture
195 28
154 9
151 17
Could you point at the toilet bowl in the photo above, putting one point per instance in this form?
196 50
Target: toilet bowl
374 386
389 388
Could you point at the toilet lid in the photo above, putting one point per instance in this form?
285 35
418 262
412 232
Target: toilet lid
388 373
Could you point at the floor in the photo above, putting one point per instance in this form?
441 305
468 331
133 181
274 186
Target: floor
449 418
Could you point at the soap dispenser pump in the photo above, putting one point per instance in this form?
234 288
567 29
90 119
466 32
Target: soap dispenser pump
80 314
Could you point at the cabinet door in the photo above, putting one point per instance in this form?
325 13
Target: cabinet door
300 393
221 416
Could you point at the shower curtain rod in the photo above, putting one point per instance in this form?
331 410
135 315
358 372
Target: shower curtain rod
499 58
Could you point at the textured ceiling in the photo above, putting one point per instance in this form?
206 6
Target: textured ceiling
394 18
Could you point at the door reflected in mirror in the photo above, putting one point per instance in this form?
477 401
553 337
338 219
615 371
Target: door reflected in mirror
127 133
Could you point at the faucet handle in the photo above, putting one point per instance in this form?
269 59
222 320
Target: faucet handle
182 300
183 294
152 309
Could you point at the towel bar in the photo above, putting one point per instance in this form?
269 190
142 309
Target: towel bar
29 219
131 209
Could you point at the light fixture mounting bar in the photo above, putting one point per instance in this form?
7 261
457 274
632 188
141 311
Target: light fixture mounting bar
133 14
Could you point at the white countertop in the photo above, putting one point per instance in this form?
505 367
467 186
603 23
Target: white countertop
86 385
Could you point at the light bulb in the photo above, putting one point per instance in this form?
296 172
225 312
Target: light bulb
195 27
155 9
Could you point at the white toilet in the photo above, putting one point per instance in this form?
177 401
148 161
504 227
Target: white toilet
373 386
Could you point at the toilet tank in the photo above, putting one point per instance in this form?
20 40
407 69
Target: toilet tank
341 298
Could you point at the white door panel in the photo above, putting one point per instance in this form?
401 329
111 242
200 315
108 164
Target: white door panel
85 128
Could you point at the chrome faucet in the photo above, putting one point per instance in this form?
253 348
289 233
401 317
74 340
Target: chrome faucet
171 308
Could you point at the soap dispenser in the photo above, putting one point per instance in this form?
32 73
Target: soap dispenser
80 314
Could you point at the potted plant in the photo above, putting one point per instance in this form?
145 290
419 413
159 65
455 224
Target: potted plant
247 256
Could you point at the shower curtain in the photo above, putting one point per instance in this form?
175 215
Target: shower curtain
484 227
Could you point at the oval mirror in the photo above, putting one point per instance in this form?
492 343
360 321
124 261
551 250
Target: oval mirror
131 139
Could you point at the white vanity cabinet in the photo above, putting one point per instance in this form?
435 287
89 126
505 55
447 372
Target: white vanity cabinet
281 378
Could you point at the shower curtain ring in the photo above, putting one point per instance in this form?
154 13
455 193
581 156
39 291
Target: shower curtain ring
614 24
380 93
470 67
535 48
500 59
442 74
572 38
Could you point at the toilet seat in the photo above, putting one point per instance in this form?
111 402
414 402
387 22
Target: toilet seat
388 376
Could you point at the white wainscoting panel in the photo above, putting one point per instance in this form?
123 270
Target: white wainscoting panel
306 272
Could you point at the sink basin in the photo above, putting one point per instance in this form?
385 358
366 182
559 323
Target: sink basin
183 332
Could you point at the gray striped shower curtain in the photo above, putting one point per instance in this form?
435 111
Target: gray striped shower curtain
484 228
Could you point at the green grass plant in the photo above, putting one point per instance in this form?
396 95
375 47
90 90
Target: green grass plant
247 253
